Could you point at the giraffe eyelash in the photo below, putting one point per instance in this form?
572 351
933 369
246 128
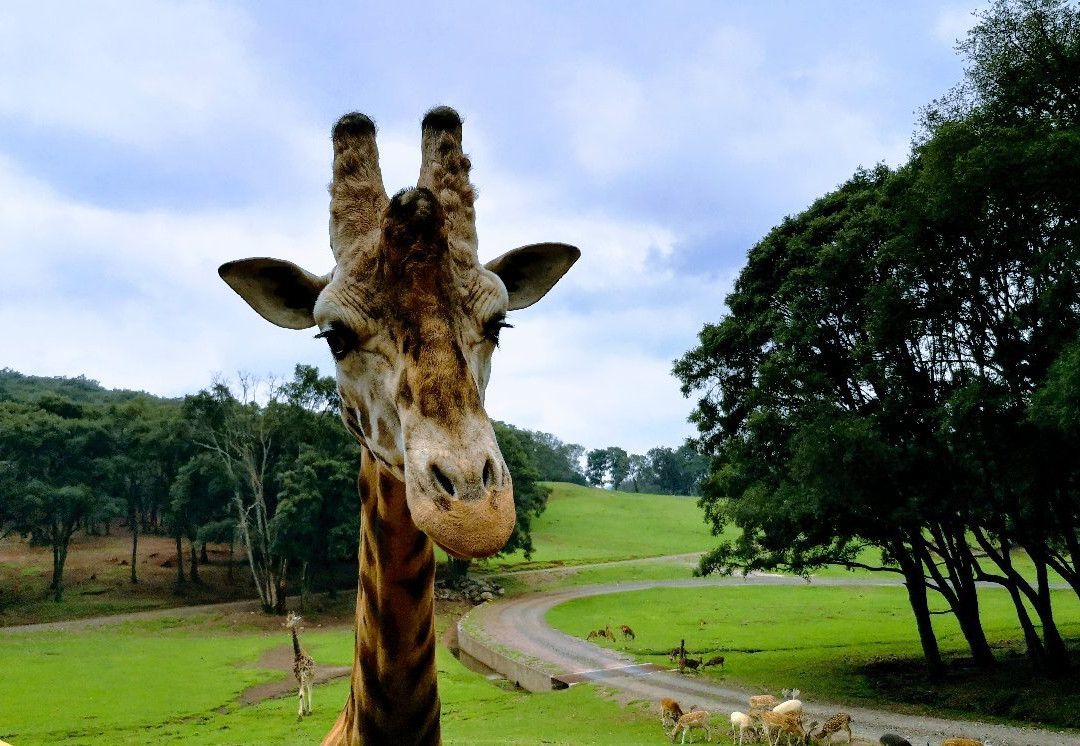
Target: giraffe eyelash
339 339
494 326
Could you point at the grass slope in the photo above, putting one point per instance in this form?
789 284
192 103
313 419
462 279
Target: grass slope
584 524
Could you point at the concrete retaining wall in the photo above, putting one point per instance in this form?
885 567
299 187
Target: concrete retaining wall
525 675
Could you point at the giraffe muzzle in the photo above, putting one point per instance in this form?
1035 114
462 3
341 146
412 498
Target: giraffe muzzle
465 505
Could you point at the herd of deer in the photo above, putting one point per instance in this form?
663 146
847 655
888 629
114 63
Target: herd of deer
769 717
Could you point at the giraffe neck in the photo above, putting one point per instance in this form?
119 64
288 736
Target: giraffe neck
394 698
295 643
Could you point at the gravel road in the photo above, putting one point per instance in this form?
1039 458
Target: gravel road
519 623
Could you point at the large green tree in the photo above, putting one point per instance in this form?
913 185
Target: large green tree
52 455
872 382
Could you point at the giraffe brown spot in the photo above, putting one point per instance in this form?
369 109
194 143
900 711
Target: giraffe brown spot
365 421
420 543
391 631
405 396
422 664
386 484
416 585
386 438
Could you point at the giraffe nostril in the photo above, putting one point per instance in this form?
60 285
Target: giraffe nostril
489 473
443 480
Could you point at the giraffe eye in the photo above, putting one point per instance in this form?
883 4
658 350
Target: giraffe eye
339 339
495 325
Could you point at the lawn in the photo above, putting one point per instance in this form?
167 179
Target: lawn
585 524
856 645
169 681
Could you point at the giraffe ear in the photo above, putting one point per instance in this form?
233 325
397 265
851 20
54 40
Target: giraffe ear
279 291
530 271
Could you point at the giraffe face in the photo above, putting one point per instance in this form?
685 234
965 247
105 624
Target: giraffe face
412 318
412 332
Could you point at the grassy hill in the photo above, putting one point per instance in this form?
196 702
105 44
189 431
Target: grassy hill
585 524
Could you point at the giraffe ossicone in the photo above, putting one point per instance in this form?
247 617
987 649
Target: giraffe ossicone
411 318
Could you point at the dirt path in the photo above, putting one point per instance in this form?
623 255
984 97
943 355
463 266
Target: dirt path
519 623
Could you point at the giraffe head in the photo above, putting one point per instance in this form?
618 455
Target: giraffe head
293 619
412 318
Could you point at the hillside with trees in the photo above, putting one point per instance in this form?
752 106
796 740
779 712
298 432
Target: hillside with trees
262 466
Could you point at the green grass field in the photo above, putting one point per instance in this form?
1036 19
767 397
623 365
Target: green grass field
173 681
584 524
167 682
830 641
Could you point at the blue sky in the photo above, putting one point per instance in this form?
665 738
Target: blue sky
143 143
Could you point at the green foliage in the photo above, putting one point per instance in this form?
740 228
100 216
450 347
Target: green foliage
555 461
530 497
872 382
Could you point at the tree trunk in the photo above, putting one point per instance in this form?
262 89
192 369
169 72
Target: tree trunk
58 572
134 549
967 615
304 582
203 556
194 563
1035 649
920 607
1057 655
179 560
232 556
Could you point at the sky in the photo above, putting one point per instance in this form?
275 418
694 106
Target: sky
142 144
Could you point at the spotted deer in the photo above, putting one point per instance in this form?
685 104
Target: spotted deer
838 722
694 719
411 318
670 712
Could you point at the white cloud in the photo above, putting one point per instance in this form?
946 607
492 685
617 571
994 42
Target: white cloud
135 73
731 106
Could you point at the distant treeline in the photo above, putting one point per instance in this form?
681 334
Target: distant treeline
262 465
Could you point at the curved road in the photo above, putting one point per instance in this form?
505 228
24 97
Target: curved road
519 624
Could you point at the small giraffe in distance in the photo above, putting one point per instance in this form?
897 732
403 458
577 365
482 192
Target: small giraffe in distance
303 665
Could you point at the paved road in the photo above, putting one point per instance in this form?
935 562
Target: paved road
519 623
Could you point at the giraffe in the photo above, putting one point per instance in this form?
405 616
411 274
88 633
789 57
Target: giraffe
411 318
303 665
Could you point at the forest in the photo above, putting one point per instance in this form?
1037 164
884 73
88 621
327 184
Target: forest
261 465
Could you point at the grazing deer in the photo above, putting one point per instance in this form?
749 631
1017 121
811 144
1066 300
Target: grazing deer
789 725
673 654
742 722
716 660
627 633
764 701
670 712
690 663
693 719
838 722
